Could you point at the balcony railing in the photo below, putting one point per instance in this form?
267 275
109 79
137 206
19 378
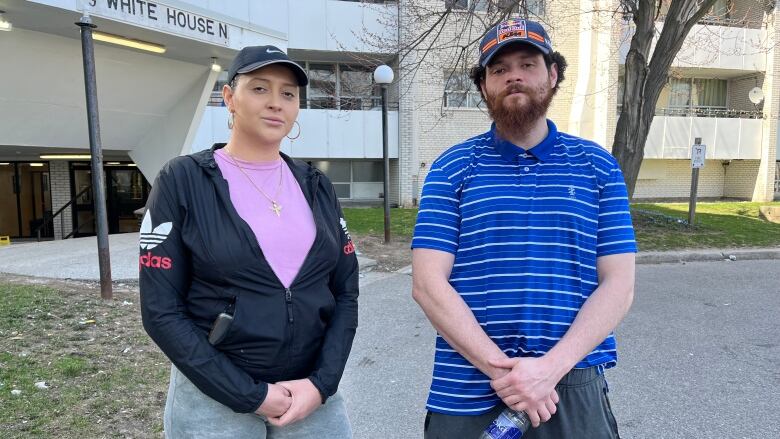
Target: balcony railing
716 20
326 103
704 111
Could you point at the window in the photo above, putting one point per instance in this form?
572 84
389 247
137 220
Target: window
354 179
339 174
340 86
535 8
698 93
356 88
680 93
215 100
697 97
483 5
322 86
460 91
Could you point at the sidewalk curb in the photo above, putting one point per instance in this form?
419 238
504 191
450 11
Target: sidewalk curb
703 255
366 264
735 254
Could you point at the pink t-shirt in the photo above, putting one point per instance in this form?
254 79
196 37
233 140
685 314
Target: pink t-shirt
285 239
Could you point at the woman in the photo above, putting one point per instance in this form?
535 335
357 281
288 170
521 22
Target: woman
248 276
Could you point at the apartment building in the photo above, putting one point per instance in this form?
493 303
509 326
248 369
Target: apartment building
163 99
732 52
158 65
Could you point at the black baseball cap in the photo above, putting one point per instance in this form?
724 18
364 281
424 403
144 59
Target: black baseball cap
252 58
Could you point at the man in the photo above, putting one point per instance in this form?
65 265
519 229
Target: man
523 258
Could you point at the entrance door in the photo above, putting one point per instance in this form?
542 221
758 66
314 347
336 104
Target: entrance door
83 213
9 209
25 199
126 191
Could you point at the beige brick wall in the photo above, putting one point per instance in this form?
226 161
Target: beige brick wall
750 11
738 89
741 176
672 179
59 176
764 187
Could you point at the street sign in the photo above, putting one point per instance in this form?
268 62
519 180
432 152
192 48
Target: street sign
697 156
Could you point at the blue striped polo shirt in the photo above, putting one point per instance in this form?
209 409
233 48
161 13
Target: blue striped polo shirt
526 228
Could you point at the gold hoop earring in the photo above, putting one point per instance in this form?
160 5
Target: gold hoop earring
230 120
299 131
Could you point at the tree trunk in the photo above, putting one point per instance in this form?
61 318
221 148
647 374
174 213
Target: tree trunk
643 80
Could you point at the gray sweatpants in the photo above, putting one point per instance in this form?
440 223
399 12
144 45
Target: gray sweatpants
583 412
191 414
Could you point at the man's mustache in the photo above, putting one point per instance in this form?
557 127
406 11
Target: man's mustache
514 88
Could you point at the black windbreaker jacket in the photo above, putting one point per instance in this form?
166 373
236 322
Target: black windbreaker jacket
198 257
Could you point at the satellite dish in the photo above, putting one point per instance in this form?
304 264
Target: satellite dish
756 95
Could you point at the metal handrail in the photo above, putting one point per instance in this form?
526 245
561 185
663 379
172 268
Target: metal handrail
76 230
50 219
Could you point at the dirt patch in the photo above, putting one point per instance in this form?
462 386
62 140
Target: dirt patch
103 376
388 257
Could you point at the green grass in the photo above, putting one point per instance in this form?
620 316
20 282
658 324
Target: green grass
371 221
95 389
716 225
658 226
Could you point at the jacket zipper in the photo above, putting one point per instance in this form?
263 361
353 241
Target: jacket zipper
288 291
288 299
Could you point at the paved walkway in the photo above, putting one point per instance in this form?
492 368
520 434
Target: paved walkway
77 258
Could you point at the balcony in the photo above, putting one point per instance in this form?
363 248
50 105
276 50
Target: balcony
325 133
714 46
729 134
330 25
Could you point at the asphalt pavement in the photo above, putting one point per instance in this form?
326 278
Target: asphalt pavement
699 354
699 350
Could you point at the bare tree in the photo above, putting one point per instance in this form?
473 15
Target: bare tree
645 76
430 30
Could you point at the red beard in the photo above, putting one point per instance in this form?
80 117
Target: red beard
515 119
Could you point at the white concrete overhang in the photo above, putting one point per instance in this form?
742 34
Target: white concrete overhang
150 105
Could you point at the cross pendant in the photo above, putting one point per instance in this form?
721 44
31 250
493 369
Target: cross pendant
276 208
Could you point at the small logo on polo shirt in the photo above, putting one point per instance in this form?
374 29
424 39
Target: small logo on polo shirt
572 193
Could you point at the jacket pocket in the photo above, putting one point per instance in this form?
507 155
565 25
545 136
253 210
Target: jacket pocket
258 332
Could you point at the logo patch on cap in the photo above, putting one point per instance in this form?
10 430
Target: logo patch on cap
512 29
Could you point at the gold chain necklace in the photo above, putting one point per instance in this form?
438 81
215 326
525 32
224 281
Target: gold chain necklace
276 207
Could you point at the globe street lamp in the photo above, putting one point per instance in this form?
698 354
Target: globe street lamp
383 75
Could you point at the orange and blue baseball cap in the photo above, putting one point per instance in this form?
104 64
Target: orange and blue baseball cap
514 30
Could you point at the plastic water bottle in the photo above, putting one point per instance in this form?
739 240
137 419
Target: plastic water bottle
508 425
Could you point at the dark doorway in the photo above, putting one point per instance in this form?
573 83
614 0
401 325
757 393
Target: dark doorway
25 199
126 191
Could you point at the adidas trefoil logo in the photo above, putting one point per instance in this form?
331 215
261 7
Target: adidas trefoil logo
151 238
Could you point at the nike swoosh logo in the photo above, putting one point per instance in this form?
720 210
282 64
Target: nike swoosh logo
273 51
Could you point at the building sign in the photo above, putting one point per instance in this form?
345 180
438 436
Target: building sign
698 154
159 16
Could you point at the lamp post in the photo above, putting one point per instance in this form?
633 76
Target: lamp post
383 75
96 153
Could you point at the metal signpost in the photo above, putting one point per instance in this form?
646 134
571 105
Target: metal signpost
698 154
